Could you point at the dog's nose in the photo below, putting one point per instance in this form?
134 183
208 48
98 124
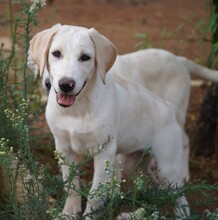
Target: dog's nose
66 84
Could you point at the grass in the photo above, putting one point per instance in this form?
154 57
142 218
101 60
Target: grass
30 189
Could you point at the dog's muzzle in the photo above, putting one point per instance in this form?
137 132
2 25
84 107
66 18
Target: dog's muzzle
66 98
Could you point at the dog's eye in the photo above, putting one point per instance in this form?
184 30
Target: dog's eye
84 57
56 53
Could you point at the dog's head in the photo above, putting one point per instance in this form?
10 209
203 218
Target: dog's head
72 55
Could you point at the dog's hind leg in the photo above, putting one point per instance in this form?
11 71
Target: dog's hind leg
171 164
186 153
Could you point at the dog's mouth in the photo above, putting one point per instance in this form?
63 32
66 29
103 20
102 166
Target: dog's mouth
66 100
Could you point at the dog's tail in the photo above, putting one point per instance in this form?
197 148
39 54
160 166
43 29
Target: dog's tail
199 70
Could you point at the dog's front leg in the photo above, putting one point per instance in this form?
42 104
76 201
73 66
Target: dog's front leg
101 175
73 202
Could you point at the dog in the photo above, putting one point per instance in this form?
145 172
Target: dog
167 76
88 103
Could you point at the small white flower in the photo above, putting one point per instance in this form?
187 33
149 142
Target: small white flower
40 177
37 4
27 178
123 181
2 153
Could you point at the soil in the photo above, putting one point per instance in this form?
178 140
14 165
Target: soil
169 24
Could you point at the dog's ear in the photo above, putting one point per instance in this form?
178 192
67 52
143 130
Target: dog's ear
105 53
39 47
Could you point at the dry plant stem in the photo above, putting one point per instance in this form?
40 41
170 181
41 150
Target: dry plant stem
10 16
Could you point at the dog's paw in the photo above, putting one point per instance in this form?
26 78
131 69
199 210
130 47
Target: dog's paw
139 214
65 216
124 216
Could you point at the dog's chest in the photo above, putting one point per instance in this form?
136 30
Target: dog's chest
84 135
82 141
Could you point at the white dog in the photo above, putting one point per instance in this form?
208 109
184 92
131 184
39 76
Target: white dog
165 75
85 107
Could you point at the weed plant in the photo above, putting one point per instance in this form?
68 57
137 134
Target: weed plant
28 190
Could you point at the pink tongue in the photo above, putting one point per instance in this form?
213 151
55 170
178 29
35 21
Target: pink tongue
65 100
